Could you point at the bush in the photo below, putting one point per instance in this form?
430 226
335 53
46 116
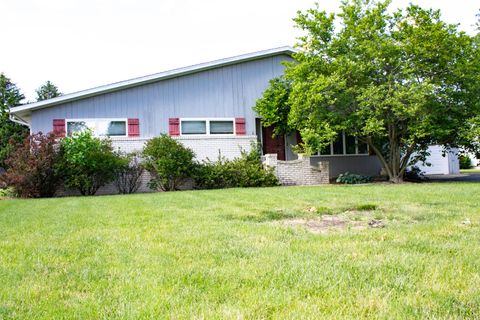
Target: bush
246 171
465 161
7 192
31 167
351 178
169 163
128 174
414 174
88 163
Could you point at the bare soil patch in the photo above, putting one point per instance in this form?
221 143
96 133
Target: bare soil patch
324 224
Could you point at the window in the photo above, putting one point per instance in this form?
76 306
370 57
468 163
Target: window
207 126
221 127
194 127
350 145
345 145
99 127
338 145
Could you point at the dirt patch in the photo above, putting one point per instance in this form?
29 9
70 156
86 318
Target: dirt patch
324 224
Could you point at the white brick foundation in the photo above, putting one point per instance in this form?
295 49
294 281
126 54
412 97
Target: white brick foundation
298 172
209 147
204 147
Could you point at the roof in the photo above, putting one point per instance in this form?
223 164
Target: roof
151 78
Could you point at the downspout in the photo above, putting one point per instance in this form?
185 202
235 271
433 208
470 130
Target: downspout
19 120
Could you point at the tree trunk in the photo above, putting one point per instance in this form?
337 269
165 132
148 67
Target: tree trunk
397 179
396 163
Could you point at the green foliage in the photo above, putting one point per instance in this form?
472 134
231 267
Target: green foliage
47 91
128 173
11 133
414 174
8 192
365 207
352 178
169 163
88 163
274 105
465 161
245 171
398 81
31 171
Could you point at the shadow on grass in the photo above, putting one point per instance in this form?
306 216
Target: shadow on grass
309 212
267 215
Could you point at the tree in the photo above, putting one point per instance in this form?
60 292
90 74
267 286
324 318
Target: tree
11 133
47 91
275 105
398 81
477 24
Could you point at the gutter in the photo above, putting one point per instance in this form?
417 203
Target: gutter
19 120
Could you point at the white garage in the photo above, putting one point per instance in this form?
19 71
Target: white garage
441 163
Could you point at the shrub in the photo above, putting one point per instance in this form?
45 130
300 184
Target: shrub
87 162
169 163
31 167
414 174
128 173
351 178
246 171
7 192
465 161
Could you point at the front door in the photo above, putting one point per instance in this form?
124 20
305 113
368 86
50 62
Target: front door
273 145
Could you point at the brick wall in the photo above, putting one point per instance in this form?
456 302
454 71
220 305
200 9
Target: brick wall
298 172
204 147
209 146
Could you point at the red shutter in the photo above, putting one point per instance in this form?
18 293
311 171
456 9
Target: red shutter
133 128
59 128
174 126
240 126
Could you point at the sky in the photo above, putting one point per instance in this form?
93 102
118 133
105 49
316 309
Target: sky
80 44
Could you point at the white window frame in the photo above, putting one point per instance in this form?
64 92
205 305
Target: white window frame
344 147
207 129
99 119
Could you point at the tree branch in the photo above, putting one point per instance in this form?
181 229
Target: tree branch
380 156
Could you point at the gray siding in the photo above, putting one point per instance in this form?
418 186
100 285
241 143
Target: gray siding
366 165
229 91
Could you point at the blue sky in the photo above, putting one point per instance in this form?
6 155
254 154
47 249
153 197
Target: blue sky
79 44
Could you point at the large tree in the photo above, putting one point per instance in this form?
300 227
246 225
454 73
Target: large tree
11 133
398 81
47 91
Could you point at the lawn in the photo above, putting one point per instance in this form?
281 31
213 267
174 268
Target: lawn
474 170
228 254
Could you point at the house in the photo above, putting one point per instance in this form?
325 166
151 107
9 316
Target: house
207 107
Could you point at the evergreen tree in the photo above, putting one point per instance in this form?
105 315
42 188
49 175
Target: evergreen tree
11 133
47 91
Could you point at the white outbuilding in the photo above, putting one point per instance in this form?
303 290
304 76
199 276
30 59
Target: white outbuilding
441 161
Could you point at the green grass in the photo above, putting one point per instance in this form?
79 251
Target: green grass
221 254
470 170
